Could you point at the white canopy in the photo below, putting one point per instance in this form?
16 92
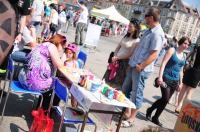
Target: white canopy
110 13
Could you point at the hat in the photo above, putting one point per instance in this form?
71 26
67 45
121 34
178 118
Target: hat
72 47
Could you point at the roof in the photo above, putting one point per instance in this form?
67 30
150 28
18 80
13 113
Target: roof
180 5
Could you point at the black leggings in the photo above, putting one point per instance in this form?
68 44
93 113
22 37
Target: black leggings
161 103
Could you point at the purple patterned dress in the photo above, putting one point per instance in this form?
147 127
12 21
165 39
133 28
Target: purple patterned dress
37 74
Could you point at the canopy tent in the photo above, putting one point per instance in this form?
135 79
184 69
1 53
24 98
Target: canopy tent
110 13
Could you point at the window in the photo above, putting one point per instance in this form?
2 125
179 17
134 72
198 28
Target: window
186 18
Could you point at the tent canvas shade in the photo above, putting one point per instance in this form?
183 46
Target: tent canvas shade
110 13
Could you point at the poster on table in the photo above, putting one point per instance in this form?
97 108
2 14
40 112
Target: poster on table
188 119
92 35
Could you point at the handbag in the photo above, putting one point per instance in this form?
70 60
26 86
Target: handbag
42 122
110 57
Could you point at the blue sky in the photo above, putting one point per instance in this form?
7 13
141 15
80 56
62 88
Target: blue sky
193 3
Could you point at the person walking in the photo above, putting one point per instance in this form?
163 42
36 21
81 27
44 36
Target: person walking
191 80
69 18
142 63
82 23
170 78
53 20
39 72
37 13
121 55
61 19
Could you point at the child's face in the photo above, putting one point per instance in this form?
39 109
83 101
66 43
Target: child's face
69 53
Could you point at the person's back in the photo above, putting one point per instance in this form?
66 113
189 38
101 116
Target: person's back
83 15
38 10
37 74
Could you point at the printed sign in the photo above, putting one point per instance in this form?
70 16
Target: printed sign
93 35
188 119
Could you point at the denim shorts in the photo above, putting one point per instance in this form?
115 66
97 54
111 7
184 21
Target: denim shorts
133 86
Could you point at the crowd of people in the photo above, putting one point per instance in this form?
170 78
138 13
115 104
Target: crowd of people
131 64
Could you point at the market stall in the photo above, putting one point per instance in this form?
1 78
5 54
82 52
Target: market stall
94 95
110 13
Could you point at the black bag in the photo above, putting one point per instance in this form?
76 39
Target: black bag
110 57
190 59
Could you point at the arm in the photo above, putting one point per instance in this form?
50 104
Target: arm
117 49
51 16
164 62
79 4
33 8
156 44
181 78
21 28
57 62
153 55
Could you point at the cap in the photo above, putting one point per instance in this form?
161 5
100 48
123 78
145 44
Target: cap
72 47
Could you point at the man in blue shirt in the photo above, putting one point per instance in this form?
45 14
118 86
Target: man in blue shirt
142 63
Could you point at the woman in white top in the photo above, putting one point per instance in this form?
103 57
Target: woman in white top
116 73
53 20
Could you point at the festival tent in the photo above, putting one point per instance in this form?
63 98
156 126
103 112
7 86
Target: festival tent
110 13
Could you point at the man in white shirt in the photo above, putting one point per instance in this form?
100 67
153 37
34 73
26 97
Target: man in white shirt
37 13
82 23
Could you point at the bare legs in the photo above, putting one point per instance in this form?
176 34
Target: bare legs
185 93
131 114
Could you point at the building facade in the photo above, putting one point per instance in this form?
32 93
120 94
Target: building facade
177 19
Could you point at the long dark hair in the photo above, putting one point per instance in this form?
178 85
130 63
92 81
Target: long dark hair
183 39
136 23
52 5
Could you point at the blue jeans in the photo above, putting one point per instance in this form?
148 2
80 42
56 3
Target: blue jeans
20 56
133 86
36 24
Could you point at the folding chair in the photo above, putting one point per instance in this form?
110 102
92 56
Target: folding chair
66 113
82 57
15 87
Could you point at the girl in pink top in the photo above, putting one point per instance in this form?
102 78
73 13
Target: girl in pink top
70 52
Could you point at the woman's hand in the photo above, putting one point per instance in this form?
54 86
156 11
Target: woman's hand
160 81
115 58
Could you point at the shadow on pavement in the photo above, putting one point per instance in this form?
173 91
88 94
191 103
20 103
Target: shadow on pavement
19 106
141 116
16 128
145 100
156 97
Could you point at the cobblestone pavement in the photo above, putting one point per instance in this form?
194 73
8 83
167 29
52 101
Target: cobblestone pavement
18 113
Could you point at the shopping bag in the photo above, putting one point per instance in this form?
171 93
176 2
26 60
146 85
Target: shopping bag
42 122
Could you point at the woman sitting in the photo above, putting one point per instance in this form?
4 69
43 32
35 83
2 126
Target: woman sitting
38 73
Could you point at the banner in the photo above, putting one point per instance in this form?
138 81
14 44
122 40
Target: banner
92 35
188 119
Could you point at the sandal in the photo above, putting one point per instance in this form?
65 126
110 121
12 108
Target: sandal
126 124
